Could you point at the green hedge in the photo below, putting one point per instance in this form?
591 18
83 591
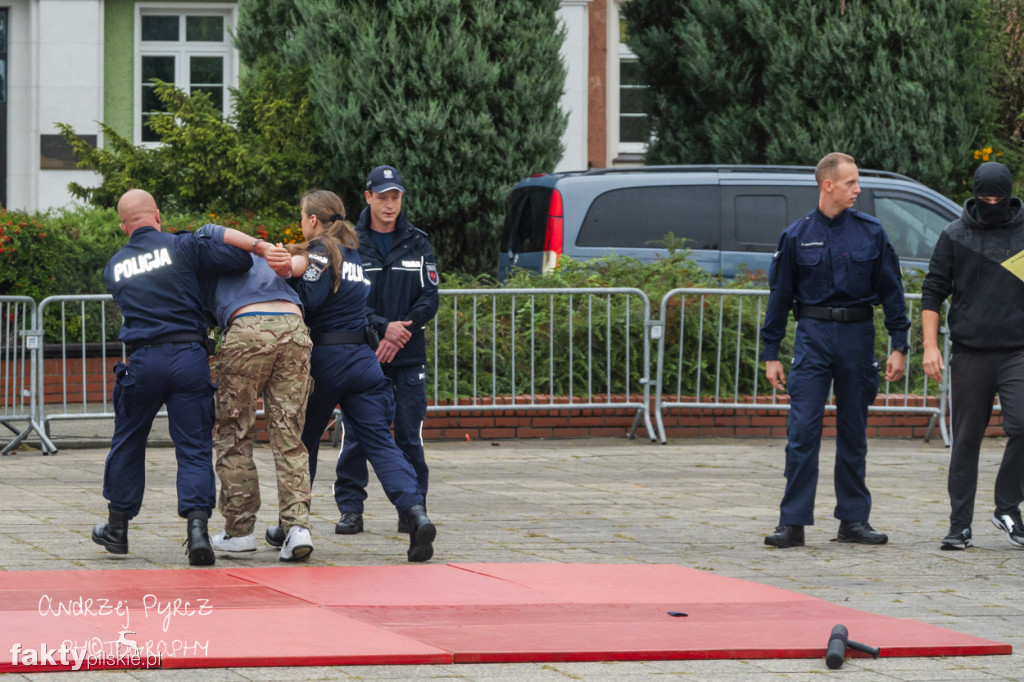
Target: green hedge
65 252
536 339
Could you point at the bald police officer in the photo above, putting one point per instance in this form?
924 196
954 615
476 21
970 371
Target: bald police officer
154 280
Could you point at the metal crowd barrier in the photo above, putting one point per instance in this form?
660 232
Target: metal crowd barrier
489 350
509 350
19 351
539 345
65 373
708 354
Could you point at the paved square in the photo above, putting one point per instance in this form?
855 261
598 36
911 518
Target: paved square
705 504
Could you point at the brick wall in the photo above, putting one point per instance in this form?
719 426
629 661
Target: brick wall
69 379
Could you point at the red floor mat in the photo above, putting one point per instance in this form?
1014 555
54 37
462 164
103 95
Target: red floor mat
307 615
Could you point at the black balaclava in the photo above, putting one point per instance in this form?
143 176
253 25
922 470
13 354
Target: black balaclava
993 179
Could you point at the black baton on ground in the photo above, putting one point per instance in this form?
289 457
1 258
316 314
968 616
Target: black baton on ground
838 641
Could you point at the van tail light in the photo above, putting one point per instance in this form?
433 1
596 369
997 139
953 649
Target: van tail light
553 234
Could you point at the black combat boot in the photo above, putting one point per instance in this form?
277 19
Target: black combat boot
786 536
114 533
421 533
200 553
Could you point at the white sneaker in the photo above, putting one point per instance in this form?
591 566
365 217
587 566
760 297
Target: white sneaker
298 545
222 542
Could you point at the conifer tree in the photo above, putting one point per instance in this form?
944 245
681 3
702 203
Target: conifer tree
900 84
460 95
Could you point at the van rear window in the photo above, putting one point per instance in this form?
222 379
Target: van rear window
641 217
526 218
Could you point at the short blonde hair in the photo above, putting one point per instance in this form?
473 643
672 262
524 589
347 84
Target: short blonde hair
826 168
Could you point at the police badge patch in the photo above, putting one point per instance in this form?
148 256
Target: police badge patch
317 265
432 274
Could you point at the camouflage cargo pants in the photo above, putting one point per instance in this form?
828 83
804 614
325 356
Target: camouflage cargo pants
264 355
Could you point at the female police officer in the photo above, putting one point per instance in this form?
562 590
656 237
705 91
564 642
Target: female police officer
344 368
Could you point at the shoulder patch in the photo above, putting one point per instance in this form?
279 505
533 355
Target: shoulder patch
317 265
318 262
432 274
312 273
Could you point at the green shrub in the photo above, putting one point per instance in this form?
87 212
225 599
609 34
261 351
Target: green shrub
488 345
259 161
57 253
64 252
492 344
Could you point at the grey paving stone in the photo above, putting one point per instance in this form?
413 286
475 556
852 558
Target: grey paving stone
701 503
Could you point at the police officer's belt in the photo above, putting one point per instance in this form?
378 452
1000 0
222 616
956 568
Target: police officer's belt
179 337
330 338
818 312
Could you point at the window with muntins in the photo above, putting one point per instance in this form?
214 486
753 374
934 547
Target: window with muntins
187 45
633 100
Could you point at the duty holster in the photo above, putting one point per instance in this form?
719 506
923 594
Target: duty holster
372 337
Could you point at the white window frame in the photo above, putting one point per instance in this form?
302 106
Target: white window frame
617 53
182 50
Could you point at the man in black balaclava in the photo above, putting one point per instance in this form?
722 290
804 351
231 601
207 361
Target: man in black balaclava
993 185
977 260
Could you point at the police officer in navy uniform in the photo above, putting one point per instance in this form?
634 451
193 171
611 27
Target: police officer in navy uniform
345 370
400 265
831 267
154 279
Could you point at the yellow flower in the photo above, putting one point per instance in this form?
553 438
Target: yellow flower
986 153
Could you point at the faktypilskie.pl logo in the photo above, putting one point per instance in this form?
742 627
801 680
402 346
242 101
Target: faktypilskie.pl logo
122 653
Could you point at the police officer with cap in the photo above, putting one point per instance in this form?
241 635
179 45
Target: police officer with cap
974 261
400 265
831 268
154 279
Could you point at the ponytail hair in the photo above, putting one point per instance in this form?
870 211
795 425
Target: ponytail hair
338 233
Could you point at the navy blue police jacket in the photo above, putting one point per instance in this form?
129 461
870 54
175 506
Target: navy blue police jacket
343 310
403 284
154 279
842 262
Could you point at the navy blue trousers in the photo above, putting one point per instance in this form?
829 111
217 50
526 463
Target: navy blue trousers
349 375
176 375
408 384
841 355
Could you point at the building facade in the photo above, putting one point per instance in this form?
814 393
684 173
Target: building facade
603 96
80 62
